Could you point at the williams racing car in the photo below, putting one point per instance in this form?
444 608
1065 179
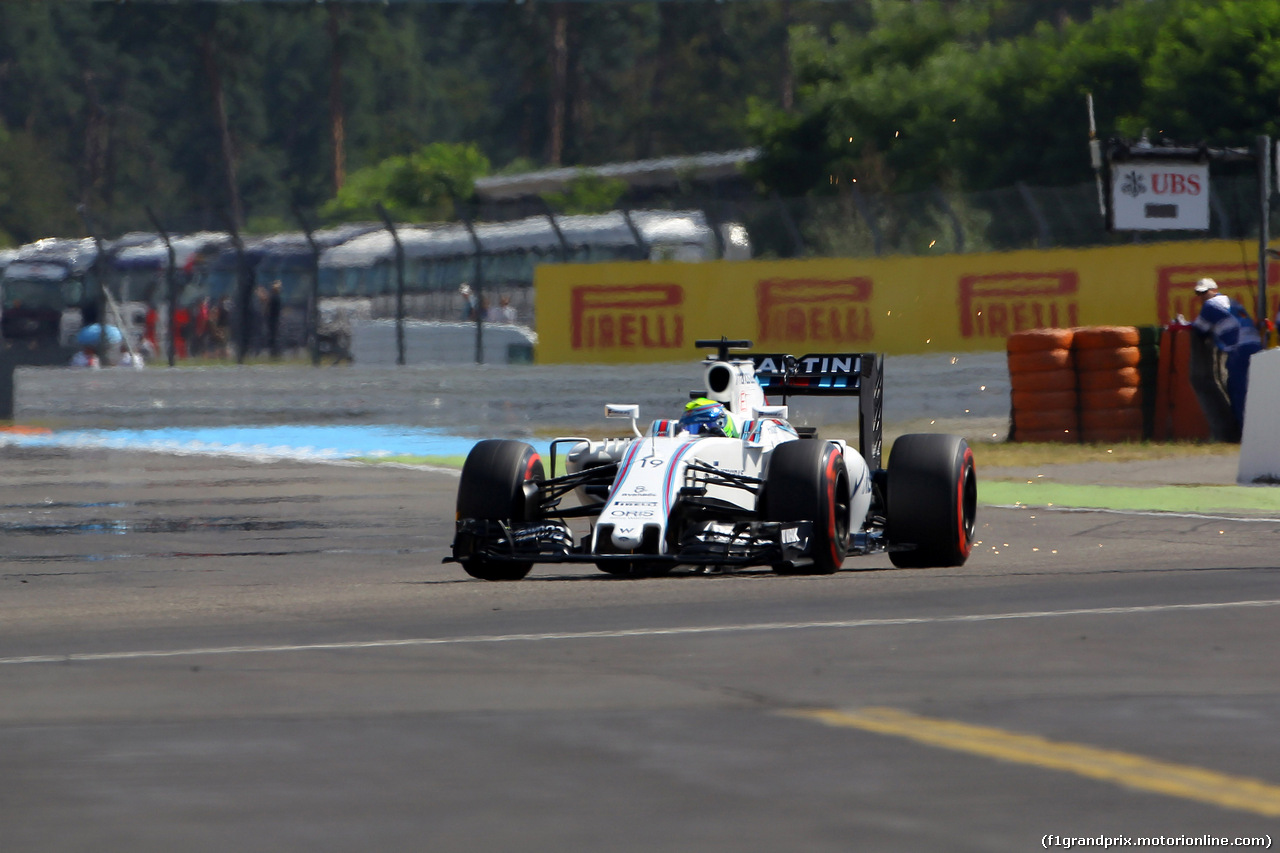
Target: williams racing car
731 483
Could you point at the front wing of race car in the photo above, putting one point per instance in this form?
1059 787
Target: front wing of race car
718 543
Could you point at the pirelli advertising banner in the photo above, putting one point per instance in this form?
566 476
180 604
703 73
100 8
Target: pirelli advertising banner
641 312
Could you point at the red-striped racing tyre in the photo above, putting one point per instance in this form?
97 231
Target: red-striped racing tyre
807 481
499 483
932 501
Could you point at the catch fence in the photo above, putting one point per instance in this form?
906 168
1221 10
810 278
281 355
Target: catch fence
482 268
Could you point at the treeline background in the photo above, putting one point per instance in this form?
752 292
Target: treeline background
206 112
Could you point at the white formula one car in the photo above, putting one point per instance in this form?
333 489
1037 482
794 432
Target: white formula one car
735 487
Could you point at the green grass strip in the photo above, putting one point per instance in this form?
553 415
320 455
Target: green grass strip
1205 499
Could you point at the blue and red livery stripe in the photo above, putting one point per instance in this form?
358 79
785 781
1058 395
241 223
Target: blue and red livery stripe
671 472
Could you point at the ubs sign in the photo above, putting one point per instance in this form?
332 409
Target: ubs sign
1160 196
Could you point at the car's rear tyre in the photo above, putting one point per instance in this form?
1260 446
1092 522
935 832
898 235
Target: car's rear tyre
932 501
807 481
499 483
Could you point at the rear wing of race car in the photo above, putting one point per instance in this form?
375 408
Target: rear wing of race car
856 374
827 374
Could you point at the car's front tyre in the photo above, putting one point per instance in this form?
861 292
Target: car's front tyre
808 481
499 482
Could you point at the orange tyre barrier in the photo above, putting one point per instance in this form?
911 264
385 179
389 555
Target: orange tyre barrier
1106 359
1047 380
1039 400
1036 340
1039 360
1178 414
1042 376
1053 419
1079 384
1111 398
1107 419
1105 337
1096 380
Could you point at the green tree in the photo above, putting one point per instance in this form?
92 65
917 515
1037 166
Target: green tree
418 187
932 97
40 102
116 105
36 192
873 105
191 118
1214 73
588 193
926 96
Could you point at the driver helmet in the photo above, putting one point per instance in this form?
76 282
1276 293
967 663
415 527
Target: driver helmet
704 416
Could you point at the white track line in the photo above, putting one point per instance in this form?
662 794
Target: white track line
635 632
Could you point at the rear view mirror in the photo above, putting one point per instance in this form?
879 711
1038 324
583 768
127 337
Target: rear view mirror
779 412
618 410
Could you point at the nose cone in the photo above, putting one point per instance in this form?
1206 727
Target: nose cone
627 538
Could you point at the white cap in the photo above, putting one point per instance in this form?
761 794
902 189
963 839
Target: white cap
1204 285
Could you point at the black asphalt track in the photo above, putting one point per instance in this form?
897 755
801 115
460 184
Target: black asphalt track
206 654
